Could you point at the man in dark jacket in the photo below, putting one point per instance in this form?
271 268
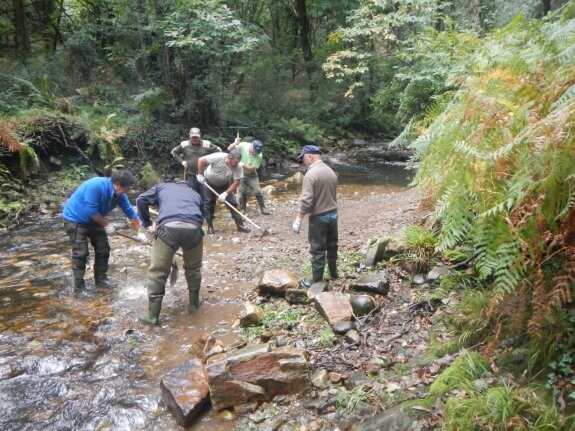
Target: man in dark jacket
319 200
84 219
179 225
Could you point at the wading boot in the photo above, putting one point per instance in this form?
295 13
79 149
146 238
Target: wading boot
317 274
104 282
79 285
242 227
154 307
262 205
210 227
242 202
194 296
332 266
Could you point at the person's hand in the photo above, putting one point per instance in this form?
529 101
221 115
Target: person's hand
296 226
143 238
200 178
237 141
241 165
223 196
110 229
184 164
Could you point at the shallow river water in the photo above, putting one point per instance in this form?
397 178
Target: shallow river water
72 362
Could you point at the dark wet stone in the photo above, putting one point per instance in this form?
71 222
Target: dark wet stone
377 282
251 315
317 288
394 419
362 305
185 391
341 328
375 251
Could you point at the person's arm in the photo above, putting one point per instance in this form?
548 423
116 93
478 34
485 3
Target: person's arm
233 187
177 153
143 203
202 165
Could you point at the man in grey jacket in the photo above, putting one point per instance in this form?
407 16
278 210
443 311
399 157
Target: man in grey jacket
319 200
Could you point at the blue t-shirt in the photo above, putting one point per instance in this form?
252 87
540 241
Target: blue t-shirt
93 197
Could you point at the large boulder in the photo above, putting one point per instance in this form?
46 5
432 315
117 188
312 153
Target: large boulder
277 282
257 373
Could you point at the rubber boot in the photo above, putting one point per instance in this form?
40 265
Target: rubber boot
332 266
79 284
262 205
154 307
194 296
242 227
242 202
104 282
210 227
317 274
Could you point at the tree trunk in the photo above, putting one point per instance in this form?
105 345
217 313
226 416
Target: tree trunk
22 35
546 7
305 39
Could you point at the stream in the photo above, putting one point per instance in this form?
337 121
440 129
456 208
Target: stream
71 362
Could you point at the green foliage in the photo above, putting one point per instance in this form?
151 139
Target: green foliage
325 339
29 162
502 406
299 131
349 400
462 372
420 244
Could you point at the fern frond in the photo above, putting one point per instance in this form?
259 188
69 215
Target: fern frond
567 97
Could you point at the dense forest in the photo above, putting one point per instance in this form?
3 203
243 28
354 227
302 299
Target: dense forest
481 91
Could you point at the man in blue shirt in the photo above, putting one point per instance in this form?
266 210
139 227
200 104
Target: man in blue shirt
84 219
179 226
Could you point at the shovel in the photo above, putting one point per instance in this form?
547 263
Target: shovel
264 231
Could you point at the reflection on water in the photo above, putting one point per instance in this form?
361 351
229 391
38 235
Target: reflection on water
84 363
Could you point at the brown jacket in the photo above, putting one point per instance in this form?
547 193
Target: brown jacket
318 193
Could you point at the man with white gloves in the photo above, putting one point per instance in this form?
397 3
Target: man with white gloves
319 200
222 173
188 153
84 220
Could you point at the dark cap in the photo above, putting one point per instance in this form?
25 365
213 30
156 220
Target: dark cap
308 149
257 145
235 154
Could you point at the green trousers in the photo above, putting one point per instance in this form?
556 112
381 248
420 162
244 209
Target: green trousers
161 262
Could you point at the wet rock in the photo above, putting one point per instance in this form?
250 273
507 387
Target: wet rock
149 177
257 374
334 306
394 419
362 305
375 249
436 273
341 328
185 391
377 282
251 315
277 281
316 288
296 296
320 378
335 377
297 178
206 346
418 280
353 337
266 335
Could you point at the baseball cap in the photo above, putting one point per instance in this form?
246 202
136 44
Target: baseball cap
194 131
257 145
308 149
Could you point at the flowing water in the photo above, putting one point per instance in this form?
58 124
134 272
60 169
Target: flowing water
72 362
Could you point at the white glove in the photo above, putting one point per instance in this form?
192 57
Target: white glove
200 178
223 196
110 229
237 141
185 164
143 238
240 164
296 225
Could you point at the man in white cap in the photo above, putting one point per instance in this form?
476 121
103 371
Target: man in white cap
319 200
251 161
188 153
